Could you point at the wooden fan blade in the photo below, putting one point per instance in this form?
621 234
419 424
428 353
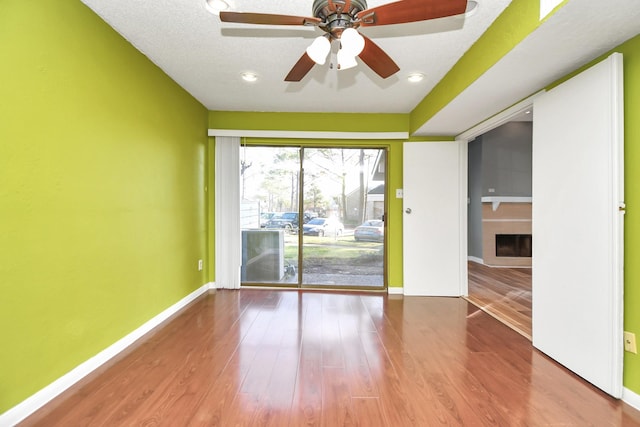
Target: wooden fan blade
404 11
302 67
377 59
267 19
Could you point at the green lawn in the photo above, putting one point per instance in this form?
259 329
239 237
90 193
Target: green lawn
329 247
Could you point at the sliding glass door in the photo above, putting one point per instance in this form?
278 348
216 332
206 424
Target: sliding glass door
313 217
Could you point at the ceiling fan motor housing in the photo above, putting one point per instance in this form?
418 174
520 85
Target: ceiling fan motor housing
337 19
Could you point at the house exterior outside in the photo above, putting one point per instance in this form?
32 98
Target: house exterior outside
374 205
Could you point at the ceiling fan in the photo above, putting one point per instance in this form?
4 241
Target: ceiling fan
340 20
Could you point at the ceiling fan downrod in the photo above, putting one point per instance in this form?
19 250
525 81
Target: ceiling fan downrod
338 15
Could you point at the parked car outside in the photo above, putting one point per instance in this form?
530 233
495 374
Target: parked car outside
323 227
372 230
265 217
287 221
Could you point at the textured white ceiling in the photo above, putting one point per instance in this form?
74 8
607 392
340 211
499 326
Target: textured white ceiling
206 57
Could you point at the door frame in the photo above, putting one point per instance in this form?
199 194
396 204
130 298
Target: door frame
468 136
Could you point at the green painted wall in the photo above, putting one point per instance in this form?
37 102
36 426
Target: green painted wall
102 177
631 53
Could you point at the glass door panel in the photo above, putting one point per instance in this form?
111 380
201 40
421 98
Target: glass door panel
343 240
269 214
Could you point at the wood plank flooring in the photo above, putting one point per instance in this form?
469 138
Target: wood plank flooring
504 293
257 357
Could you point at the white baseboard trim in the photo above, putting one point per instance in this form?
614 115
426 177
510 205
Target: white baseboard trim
395 291
475 259
631 398
28 406
211 286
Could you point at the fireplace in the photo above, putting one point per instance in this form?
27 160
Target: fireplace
506 231
513 245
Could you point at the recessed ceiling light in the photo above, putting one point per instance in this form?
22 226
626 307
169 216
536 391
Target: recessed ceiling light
215 6
248 76
415 77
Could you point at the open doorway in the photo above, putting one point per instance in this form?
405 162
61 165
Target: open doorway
499 222
313 216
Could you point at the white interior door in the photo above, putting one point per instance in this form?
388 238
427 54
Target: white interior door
434 219
577 224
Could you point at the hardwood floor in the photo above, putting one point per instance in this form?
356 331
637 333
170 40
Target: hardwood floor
257 357
504 293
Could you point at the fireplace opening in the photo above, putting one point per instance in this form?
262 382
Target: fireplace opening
513 245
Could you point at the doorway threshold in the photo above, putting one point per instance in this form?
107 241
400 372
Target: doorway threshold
499 317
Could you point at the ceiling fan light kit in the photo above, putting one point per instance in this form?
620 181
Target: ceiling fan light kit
319 50
340 20
345 60
352 42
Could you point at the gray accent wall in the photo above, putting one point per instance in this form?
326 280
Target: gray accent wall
499 160
474 206
506 160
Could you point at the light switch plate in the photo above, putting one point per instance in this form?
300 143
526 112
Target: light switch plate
630 342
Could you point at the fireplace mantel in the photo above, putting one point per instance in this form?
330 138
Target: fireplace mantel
496 200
